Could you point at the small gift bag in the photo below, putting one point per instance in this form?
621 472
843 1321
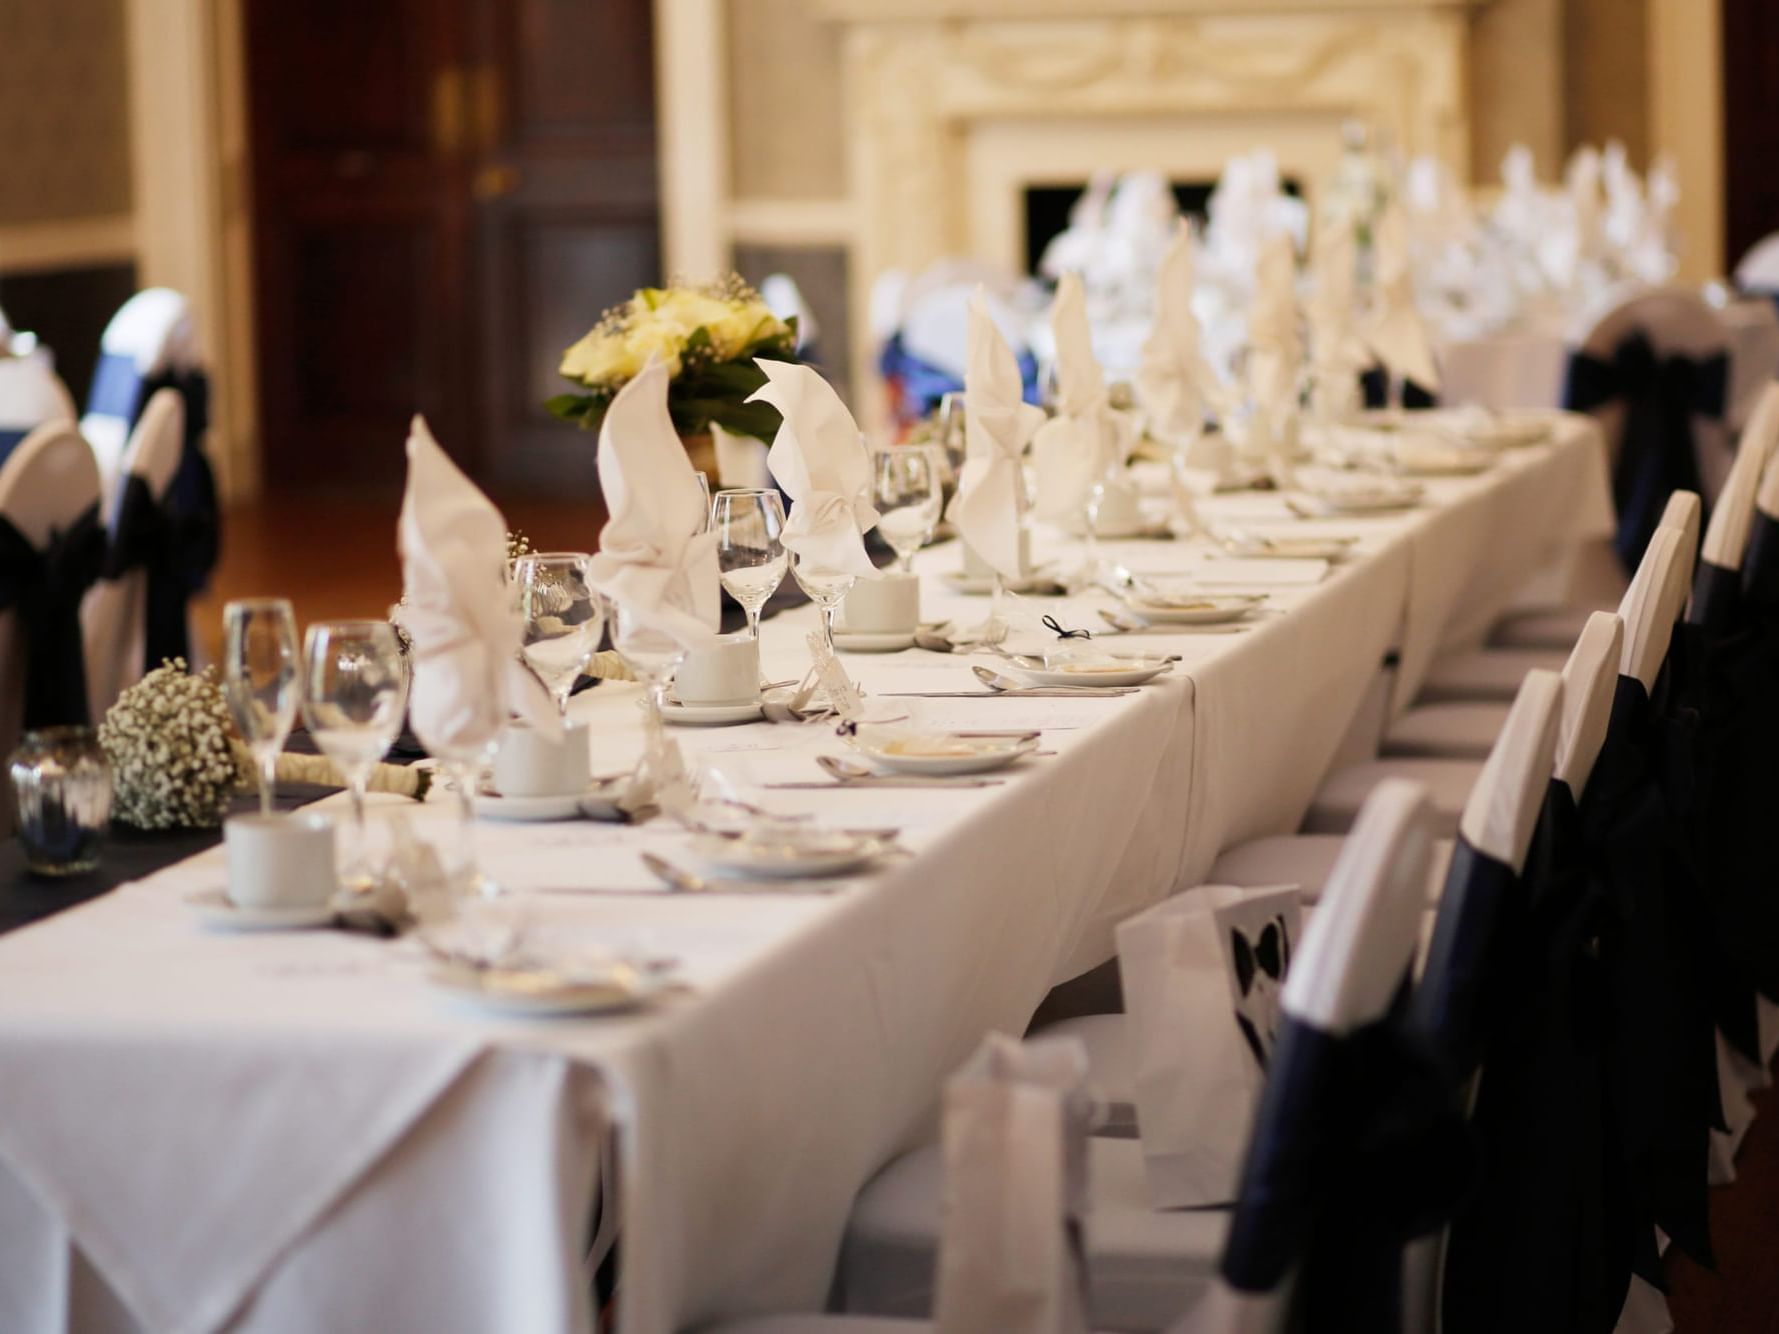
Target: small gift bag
1014 1146
1202 974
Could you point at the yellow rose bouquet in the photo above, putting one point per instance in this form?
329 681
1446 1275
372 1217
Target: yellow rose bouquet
707 337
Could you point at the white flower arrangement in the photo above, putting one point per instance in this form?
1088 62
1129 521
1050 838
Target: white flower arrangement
175 758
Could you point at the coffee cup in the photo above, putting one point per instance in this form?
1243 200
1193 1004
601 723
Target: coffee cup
725 671
279 861
531 763
886 605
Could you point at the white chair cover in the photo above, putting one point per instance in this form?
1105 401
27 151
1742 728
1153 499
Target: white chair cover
30 394
1758 269
153 333
1652 604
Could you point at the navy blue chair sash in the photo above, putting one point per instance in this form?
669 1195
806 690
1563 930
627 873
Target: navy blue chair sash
1661 396
1481 912
1374 384
921 384
1359 1147
177 548
44 589
10 439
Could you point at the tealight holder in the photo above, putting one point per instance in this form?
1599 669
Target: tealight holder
61 790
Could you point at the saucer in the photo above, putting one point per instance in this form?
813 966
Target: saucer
1037 583
1195 608
545 991
786 854
1507 432
1094 672
1289 548
893 641
526 810
215 909
942 753
710 715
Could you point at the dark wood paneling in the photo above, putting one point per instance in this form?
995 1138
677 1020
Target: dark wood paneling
68 309
1750 123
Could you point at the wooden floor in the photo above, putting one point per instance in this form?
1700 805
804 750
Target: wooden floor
334 555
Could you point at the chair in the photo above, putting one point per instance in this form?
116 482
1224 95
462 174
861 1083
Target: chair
151 342
30 394
1758 269
115 617
1146 1266
50 549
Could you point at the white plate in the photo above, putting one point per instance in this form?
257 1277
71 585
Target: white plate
708 715
945 753
541 992
1196 608
215 909
863 642
959 582
1374 501
803 854
1092 672
1290 548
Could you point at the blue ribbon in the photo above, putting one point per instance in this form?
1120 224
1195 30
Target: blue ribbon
920 384
9 440
177 546
45 589
117 388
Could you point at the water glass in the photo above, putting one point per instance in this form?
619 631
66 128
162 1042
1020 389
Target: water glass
259 680
355 691
750 557
563 618
908 493
826 588
653 655
61 787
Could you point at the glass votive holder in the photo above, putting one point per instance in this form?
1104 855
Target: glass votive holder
61 791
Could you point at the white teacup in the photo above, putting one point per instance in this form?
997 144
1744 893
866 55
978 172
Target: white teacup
979 570
887 605
280 861
726 671
530 763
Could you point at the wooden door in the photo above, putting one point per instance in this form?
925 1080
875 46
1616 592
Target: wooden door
567 218
361 232
1750 124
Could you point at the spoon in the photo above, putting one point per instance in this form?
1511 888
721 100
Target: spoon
847 772
682 881
1007 685
1127 624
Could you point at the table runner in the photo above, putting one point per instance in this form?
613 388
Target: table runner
818 1028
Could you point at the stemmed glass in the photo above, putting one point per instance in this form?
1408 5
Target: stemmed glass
355 691
653 655
704 490
751 559
260 680
563 618
907 492
826 588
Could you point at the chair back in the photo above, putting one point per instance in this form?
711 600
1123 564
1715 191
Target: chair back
30 394
1589 677
114 615
1717 582
1343 1099
47 486
1651 605
1758 269
152 337
1760 562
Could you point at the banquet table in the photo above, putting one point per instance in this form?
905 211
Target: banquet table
287 1131
1527 365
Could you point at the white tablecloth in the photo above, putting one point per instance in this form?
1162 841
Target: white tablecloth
1527 367
219 1126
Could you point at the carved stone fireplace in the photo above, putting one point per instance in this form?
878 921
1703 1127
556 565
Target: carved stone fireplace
957 107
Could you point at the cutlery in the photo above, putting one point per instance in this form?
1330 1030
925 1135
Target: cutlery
1127 624
845 771
682 881
1007 685
1034 692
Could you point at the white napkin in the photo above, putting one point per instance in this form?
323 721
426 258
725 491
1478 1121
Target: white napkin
820 459
1079 380
1086 439
1175 383
1396 332
1275 349
652 560
1337 353
458 611
997 426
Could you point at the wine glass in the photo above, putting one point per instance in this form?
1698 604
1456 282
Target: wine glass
750 558
563 618
355 690
259 676
907 492
953 431
653 655
827 588
704 490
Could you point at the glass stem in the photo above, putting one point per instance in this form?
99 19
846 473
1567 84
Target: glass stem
463 778
268 779
828 610
358 866
753 622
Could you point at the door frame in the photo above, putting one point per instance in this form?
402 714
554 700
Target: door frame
192 218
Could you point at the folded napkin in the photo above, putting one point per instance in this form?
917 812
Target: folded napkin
1275 349
1396 332
458 611
997 425
1086 439
1338 355
820 460
1175 383
652 559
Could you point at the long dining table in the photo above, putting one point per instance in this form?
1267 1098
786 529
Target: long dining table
298 1130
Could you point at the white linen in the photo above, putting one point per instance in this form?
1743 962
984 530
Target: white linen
817 1028
819 458
467 677
998 424
1396 331
1175 384
652 559
1337 353
1085 440
1275 349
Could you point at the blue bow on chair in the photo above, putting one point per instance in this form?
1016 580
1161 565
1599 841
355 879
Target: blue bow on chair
919 385
44 588
1661 396
175 540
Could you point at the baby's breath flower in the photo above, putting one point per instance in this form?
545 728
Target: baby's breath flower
167 738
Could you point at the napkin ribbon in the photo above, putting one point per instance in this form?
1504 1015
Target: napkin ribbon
176 546
44 588
1661 395
1359 1146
